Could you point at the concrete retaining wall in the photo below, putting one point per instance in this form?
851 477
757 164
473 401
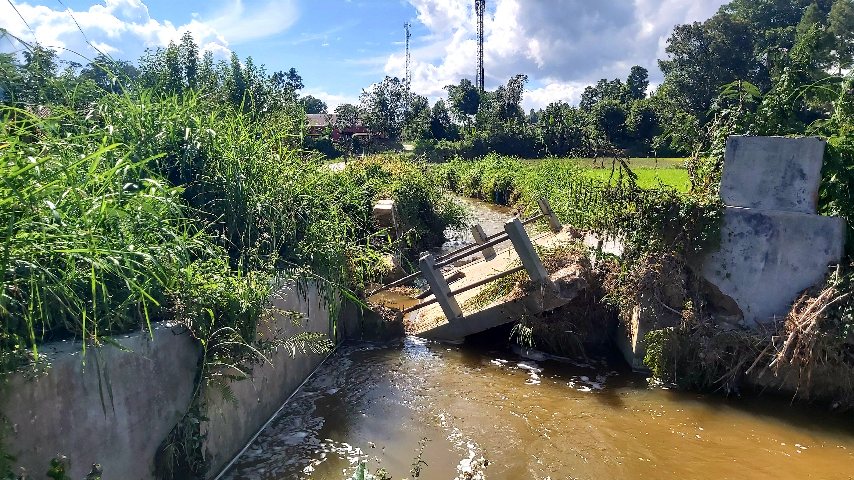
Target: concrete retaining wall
773 244
145 391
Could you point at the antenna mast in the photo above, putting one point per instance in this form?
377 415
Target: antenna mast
408 79
480 9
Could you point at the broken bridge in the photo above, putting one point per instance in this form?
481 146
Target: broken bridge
447 311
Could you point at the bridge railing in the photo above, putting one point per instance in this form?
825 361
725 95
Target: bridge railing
514 230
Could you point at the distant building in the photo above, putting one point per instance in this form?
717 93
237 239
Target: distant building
319 124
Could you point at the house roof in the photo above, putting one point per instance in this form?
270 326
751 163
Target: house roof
320 119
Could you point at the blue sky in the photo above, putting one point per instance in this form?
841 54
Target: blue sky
342 46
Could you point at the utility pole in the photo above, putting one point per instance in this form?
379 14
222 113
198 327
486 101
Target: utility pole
480 9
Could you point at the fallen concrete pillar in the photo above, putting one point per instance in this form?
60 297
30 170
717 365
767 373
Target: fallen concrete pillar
546 209
525 249
480 238
439 287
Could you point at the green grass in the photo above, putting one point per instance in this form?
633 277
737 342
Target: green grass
634 163
649 178
651 172
131 216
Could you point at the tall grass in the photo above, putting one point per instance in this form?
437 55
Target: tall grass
91 240
104 213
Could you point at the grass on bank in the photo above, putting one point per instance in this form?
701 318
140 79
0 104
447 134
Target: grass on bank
134 213
651 172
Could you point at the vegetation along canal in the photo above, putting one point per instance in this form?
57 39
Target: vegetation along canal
428 410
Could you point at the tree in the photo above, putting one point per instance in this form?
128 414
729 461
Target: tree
346 116
312 104
38 76
701 57
173 76
638 82
603 90
841 27
416 125
811 51
609 119
510 98
189 56
382 107
110 75
643 124
501 121
236 83
288 82
10 78
208 80
464 99
562 130
441 126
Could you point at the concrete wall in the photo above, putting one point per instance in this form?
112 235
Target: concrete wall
151 385
61 413
773 244
766 259
773 173
232 425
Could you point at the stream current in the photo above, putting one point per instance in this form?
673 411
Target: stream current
474 412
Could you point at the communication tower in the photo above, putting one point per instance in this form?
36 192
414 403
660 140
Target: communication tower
408 80
480 9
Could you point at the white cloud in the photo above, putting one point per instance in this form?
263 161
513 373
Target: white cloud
563 45
552 92
125 28
331 100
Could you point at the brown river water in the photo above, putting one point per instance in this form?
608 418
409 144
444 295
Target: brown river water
477 411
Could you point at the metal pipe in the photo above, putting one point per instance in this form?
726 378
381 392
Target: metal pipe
459 254
395 283
472 247
464 254
526 222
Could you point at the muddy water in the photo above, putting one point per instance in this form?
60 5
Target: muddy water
491 414
491 217
462 412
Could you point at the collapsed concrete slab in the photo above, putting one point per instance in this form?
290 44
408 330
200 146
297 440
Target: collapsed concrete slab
766 259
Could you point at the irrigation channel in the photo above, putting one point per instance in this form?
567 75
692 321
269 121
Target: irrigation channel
474 412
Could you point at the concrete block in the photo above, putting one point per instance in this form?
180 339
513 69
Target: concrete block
773 173
767 258
385 215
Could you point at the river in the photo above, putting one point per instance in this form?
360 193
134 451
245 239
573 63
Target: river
477 411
